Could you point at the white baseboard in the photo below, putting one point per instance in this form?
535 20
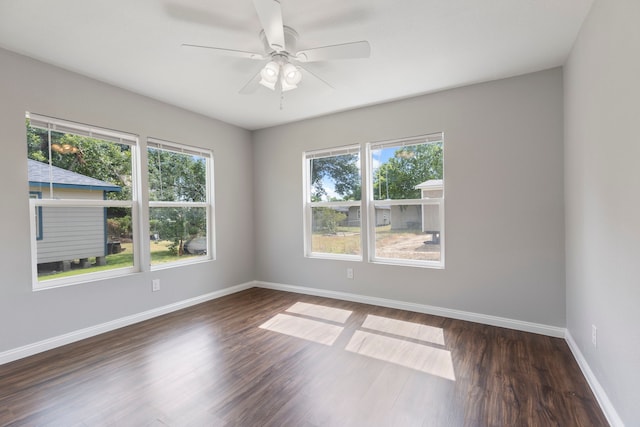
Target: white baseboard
50 343
553 331
603 400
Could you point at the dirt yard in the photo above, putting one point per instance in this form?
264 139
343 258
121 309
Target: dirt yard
406 246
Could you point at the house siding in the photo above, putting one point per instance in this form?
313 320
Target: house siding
70 233
405 217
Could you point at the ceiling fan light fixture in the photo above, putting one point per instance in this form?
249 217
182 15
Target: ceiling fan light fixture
286 86
269 75
291 74
267 84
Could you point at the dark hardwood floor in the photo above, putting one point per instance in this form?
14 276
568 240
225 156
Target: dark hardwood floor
269 358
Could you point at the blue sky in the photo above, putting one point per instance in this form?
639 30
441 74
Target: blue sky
382 156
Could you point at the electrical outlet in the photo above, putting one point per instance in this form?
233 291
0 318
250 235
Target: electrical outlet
594 336
155 285
349 273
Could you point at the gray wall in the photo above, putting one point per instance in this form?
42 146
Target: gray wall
507 178
26 316
602 173
504 213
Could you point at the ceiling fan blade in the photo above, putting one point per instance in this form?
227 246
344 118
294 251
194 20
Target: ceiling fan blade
270 15
353 50
316 76
251 86
228 52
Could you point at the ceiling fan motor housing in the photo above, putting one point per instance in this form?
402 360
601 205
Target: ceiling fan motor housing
290 42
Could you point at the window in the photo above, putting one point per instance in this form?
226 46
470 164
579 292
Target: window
404 212
80 187
332 203
406 201
180 203
83 190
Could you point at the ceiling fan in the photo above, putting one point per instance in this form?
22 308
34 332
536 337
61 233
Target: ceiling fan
283 70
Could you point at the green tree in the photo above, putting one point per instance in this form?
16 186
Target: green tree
106 161
177 177
343 171
327 219
410 166
37 144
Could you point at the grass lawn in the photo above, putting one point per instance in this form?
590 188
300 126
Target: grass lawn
159 254
339 243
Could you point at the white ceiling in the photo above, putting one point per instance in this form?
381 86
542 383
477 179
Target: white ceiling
417 47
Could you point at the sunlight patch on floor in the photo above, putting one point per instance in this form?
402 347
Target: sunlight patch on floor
412 355
299 327
405 329
403 343
320 311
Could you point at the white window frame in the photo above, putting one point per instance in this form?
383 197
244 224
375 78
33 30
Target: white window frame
372 204
37 214
308 205
208 204
66 126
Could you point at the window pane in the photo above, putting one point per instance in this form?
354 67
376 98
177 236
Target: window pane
336 230
177 177
177 233
72 163
68 166
335 178
398 171
79 240
412 233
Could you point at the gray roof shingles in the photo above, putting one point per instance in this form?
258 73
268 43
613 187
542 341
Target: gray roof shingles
40 174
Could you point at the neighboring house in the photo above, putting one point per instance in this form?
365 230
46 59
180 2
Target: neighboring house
431 189
74 233
426 218
383 216
405 217
353 217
